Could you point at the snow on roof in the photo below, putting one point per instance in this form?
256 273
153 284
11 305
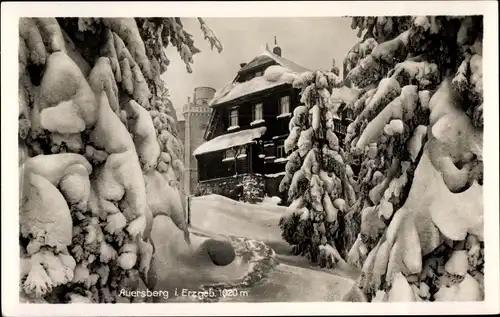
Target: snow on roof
226 141
235 90
273 76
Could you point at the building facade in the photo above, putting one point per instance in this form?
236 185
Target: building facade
243 156
192 128
244 149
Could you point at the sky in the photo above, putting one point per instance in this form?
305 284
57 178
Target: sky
310 42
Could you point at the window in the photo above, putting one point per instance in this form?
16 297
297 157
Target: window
349 114
242 152
280 151
269 150
229 153
281 156
257 112
285 104
258 74
337 126
233 118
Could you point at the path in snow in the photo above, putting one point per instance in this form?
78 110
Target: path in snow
294 278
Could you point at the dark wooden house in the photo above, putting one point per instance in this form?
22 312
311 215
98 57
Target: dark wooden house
244 148
244 154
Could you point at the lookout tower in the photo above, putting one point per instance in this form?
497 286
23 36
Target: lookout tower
196 115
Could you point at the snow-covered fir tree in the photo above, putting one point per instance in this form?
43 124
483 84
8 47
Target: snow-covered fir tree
99 154
419 134
318 181
415 225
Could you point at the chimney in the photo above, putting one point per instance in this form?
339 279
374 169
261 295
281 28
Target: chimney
242 65
189 100
276 48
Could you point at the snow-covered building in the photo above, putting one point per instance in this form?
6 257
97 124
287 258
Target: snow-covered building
247 129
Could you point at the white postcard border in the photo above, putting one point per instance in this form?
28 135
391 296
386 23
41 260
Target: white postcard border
10 13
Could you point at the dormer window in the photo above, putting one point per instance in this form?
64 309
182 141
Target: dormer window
258 74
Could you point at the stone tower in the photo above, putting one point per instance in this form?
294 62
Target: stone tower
196 115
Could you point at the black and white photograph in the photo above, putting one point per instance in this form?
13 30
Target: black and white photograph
180 156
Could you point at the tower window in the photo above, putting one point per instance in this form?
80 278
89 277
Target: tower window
285 104
257 111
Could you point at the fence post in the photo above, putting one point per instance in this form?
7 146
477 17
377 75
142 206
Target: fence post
188 210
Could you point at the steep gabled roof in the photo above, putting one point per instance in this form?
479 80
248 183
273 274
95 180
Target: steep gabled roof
267 56
294 67
234 89
256 62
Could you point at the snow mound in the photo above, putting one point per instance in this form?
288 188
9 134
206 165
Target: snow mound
275 72
458 214
401 290
271 200
345 94
214 213
467 291
210 261
457 264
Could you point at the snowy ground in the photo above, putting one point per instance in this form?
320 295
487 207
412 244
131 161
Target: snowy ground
293 279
